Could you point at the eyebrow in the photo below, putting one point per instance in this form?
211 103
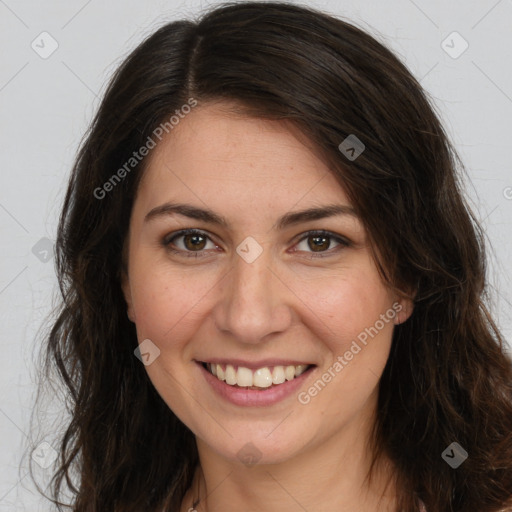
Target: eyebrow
289 219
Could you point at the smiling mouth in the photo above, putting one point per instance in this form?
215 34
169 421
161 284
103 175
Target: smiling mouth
260 378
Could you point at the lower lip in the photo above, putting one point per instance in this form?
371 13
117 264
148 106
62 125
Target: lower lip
255 397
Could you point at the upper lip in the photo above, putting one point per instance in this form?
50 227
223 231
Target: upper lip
253 365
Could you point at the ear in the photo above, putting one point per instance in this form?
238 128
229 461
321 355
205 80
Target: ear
127 292
403 306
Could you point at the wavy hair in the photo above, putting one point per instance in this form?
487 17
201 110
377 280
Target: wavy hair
448 377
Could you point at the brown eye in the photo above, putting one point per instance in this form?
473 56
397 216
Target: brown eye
194 242
320 242
187 243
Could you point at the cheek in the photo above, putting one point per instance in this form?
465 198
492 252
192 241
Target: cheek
349 304
358 342
164 303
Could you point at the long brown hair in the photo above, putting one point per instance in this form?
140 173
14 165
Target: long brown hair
448 378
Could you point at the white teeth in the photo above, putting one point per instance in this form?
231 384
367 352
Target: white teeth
244 377
261 378
230 375
278 375
299 369
289 372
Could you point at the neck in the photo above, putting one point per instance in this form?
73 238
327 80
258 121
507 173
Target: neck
331 475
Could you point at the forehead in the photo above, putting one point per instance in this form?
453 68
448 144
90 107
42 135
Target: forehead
223 159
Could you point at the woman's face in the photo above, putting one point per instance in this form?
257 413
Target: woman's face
256 288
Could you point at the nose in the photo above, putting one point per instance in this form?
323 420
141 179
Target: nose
253 301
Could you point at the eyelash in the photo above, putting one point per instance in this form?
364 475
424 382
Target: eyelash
167 241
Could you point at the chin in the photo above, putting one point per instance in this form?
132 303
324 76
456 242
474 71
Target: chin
260 449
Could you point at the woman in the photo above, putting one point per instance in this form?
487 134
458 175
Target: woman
273 287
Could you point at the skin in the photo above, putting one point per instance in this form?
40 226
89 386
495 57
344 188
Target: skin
285 304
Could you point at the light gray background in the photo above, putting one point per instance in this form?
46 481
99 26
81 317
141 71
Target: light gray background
47 104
